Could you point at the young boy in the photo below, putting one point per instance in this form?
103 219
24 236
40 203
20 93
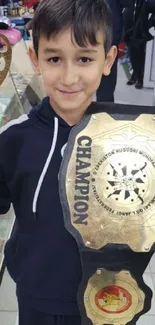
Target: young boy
71 50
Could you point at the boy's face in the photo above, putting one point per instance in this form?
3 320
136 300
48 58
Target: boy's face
71 74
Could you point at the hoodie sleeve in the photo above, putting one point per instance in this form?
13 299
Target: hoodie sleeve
5 200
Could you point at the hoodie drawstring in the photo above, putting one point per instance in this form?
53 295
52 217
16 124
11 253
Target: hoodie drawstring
43 174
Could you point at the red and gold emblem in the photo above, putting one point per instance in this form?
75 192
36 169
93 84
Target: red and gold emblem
113 298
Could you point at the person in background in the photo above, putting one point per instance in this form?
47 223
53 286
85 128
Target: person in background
106 90
137 36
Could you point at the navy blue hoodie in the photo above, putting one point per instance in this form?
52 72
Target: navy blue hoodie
41 256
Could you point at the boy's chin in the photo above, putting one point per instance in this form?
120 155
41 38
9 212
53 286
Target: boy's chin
72 105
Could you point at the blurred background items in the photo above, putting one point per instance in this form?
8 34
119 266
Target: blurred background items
132 20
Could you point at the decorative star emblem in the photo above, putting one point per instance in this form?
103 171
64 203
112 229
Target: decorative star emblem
126 180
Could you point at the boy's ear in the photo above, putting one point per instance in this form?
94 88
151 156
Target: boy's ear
34 60
111 56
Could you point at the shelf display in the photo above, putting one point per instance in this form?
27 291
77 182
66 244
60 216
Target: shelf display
17 8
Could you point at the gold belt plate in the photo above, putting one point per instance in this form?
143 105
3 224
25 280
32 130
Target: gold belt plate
110 182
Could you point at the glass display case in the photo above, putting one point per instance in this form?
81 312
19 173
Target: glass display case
19 92
22 89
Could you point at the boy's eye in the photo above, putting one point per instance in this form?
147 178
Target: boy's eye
85 59
55 59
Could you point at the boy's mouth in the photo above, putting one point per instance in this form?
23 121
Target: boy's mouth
69 92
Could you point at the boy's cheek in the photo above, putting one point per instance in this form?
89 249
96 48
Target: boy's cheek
94 77
47 74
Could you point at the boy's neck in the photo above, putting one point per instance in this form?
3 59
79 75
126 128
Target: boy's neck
71 117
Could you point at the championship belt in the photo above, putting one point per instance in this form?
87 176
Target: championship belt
107 191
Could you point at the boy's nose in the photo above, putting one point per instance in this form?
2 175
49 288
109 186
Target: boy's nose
69 76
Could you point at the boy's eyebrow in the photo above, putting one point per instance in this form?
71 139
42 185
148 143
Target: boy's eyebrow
88 51
49 50
54 50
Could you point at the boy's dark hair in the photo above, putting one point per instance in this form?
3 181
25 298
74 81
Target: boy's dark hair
84 17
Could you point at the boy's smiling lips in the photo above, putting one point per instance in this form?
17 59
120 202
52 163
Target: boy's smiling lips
69 93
